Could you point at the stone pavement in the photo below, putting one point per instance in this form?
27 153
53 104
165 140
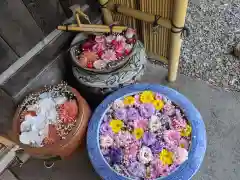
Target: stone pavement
220 111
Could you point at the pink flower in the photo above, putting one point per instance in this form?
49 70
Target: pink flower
99 39
169 109
119 47
120 38
88 45
158 96
178 124
172 137
131 151
123 139
181 155
109 55
184 143
141 123
110 38
158 169
130 33
99 47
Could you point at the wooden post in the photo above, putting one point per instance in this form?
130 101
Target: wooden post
178 20
107 15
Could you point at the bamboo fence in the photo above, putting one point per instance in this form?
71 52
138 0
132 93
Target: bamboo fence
157 43
162 43
122 19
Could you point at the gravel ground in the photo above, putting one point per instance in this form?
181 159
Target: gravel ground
207 52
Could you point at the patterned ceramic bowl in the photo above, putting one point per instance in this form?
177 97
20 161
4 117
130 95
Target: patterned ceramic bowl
198 140
111 66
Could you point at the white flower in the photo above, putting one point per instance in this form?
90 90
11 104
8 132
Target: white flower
60 100
145 155
118 104
26 125
45 105
52 116
33 107
130 33
31 137
181 155
99 64
106 141
154 123
39 123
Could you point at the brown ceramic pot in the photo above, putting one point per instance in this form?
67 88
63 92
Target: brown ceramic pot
62 148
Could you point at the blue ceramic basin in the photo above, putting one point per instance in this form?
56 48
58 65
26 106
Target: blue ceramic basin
197 149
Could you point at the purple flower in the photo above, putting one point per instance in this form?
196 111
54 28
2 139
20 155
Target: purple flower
116 155
157 147
169 109
137 169
121 114
133 114
149 138
146 110
106 129
105 118
137 100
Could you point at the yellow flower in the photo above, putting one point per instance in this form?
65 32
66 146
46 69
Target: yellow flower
116 125
158 104
166 157
182 145
138 132
129 100
146 97
187 131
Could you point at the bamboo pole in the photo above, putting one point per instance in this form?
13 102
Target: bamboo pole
78 19
107 15
97 26
147 17
178 20
92 28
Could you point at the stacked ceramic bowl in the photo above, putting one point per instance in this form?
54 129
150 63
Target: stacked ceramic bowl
105 62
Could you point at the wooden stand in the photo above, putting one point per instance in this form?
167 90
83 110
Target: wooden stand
178 20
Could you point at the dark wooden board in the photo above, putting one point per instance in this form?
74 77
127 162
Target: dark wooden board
18 27
7 56
47 14
16 84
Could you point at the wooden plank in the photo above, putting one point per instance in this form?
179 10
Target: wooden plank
47 14
17 26
19 81
7 56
